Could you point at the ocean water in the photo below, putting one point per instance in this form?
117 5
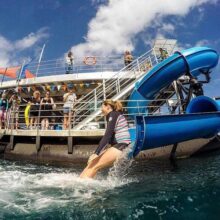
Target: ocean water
144 190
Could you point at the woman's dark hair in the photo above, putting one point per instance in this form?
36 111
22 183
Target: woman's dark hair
70 53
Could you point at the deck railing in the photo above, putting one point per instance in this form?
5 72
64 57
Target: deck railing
119 82
18 118
60 67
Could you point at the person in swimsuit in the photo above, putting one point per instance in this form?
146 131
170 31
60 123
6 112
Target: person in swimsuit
34 109
114 141
47 104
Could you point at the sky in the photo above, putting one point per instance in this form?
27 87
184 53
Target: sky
105 27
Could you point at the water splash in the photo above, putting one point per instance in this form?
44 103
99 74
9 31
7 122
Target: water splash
120 169
44 192
30 189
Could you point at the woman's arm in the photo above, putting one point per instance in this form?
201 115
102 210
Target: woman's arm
52 102
108 133
7 104
11 98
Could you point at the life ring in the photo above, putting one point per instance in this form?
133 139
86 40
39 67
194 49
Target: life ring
90 60
26 114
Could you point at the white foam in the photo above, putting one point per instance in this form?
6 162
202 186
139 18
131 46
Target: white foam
43 190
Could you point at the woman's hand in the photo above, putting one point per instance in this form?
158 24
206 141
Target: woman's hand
91 158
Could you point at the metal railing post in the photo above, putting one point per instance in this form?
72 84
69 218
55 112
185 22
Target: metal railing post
155 56
95 99
104 91
4 76
118 85
38 66
70 121
38 120
138 65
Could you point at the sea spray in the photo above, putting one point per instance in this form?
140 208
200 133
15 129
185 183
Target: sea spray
120 169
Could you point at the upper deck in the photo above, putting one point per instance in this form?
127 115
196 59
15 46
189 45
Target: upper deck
94 79
83 69
53 72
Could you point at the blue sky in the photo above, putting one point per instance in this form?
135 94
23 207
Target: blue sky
105 27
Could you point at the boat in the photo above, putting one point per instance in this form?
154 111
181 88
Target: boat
168 113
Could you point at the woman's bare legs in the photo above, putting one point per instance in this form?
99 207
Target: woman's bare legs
35 122
31 122
69 119
65 121
104 160
43 124
47 123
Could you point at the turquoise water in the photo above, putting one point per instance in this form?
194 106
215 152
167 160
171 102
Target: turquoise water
148 190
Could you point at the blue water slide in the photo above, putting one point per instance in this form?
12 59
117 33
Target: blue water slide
202 119
194 61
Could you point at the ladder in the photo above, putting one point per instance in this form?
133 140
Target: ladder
88 108
121 84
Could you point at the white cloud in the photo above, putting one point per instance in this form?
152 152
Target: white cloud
11 52
203 42
31 39
168 28
98 2
116 24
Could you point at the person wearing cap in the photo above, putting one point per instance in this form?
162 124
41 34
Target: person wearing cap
69 99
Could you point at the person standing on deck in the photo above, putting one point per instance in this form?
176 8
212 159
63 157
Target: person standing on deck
163 54
14 102
34 109
3 110
115 140
47 104
69 101
69 62
128 58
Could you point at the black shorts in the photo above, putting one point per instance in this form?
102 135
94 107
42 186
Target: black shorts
34 113
120 146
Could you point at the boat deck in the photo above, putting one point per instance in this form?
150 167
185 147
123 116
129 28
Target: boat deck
54 133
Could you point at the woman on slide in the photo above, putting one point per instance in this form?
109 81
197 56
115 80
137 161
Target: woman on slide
115 140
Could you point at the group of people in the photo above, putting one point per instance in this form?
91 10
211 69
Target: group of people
128 59
36 110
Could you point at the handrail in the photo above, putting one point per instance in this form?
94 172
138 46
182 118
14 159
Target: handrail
131 74
56 115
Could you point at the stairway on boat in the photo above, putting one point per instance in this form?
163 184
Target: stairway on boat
87 108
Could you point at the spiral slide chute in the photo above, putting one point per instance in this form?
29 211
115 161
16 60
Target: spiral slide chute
202 119
194 61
